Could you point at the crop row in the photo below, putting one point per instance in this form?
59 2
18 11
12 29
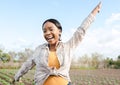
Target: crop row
6 77
95 77
78 77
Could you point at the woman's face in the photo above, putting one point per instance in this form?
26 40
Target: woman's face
51 33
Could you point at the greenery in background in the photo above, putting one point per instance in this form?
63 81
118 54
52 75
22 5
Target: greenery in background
113 63
94 61
4 57
89 75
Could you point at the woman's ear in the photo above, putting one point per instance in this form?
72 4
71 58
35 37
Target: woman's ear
60 34
60 37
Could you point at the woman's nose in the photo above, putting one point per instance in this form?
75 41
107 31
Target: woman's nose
48 32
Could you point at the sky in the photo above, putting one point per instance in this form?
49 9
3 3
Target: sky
21 20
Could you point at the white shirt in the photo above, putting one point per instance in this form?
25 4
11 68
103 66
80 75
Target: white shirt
64 53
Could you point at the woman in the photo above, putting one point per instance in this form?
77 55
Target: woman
53 59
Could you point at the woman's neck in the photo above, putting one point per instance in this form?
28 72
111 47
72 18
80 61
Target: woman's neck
52 47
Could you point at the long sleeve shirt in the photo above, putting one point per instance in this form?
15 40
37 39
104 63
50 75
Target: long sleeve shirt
64 53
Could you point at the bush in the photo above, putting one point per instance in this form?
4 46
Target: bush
9 65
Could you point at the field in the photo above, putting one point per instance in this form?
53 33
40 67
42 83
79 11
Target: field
78 77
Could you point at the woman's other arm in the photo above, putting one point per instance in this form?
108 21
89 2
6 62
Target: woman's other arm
81 31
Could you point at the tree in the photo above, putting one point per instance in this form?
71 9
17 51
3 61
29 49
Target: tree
96 60
117 63
13 55
84 61
118 57
5 57
0 55
109 62
25 54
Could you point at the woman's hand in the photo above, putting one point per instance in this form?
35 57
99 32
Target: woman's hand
20 80
53 71
96 9
12 82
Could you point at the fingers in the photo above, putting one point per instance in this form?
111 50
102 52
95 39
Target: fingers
96 9
13 81
99 6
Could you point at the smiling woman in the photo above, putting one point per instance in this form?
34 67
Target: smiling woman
53 59
52 32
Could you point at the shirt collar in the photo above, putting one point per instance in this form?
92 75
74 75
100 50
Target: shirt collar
46 45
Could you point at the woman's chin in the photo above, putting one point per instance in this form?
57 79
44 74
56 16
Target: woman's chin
52 43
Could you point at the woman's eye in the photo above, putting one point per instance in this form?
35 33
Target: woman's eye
51 29
44 31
